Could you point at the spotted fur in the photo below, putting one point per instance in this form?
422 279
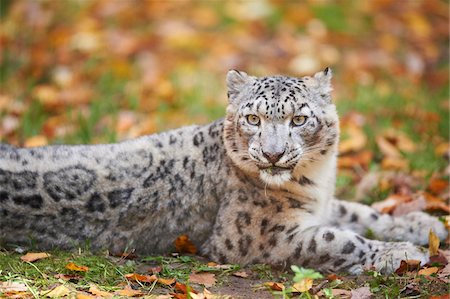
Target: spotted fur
255 187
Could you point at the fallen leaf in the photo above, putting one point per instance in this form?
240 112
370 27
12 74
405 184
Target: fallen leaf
93 289
361 293
38 140
358 160
332 277
12 286
276 286
394 163
165 281
387 148
59 291
206 279
183 288
74 267
155 270
405 208
129 292
34 256
355 142
437 186
82 295
434 203
433 243
428 271
184 245
242 274
141 278
390 203
447 296
302 286
407 266
178 296
443 149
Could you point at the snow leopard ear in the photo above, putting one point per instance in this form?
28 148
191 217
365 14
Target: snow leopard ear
236 80
324 80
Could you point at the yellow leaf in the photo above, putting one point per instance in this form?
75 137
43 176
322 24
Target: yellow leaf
303 285
97 292
356 140
59 291
428 271
433 243
84 296
75 267
34 256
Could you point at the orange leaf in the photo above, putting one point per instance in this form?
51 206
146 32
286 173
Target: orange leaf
206 279
184 245
84 296
178 296
390 203
276 286
180 287
74 267
428 271
167 282
387 148
38 140
34 256
437 186
356 140
97 292
129 292
141 278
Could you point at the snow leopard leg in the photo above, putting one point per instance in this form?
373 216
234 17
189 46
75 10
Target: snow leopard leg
413 227
329 249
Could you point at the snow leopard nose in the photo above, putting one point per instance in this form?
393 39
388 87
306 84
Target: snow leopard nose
273 157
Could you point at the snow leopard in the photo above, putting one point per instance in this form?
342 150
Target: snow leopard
254 187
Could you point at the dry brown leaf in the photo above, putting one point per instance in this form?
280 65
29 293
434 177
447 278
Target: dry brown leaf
434 203
390 203
129 292
12 287
141 278
404 208
428 271
443 149
360 159
181 287
241 274
387 148
394 163
204 278
433 243
166 281
407 266
34 256
179 296
74 267
93 289
184 245
361 293
276 286
59 291
355 142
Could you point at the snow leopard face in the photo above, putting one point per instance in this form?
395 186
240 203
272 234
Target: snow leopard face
275 125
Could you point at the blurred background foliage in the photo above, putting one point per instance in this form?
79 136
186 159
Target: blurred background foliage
81 71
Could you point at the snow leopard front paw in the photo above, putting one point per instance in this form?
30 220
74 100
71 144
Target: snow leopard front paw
388 258
417 226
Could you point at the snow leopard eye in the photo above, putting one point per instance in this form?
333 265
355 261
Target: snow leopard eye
299 120
253 119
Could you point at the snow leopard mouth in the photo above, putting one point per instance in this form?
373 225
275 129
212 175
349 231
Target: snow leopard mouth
274 170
